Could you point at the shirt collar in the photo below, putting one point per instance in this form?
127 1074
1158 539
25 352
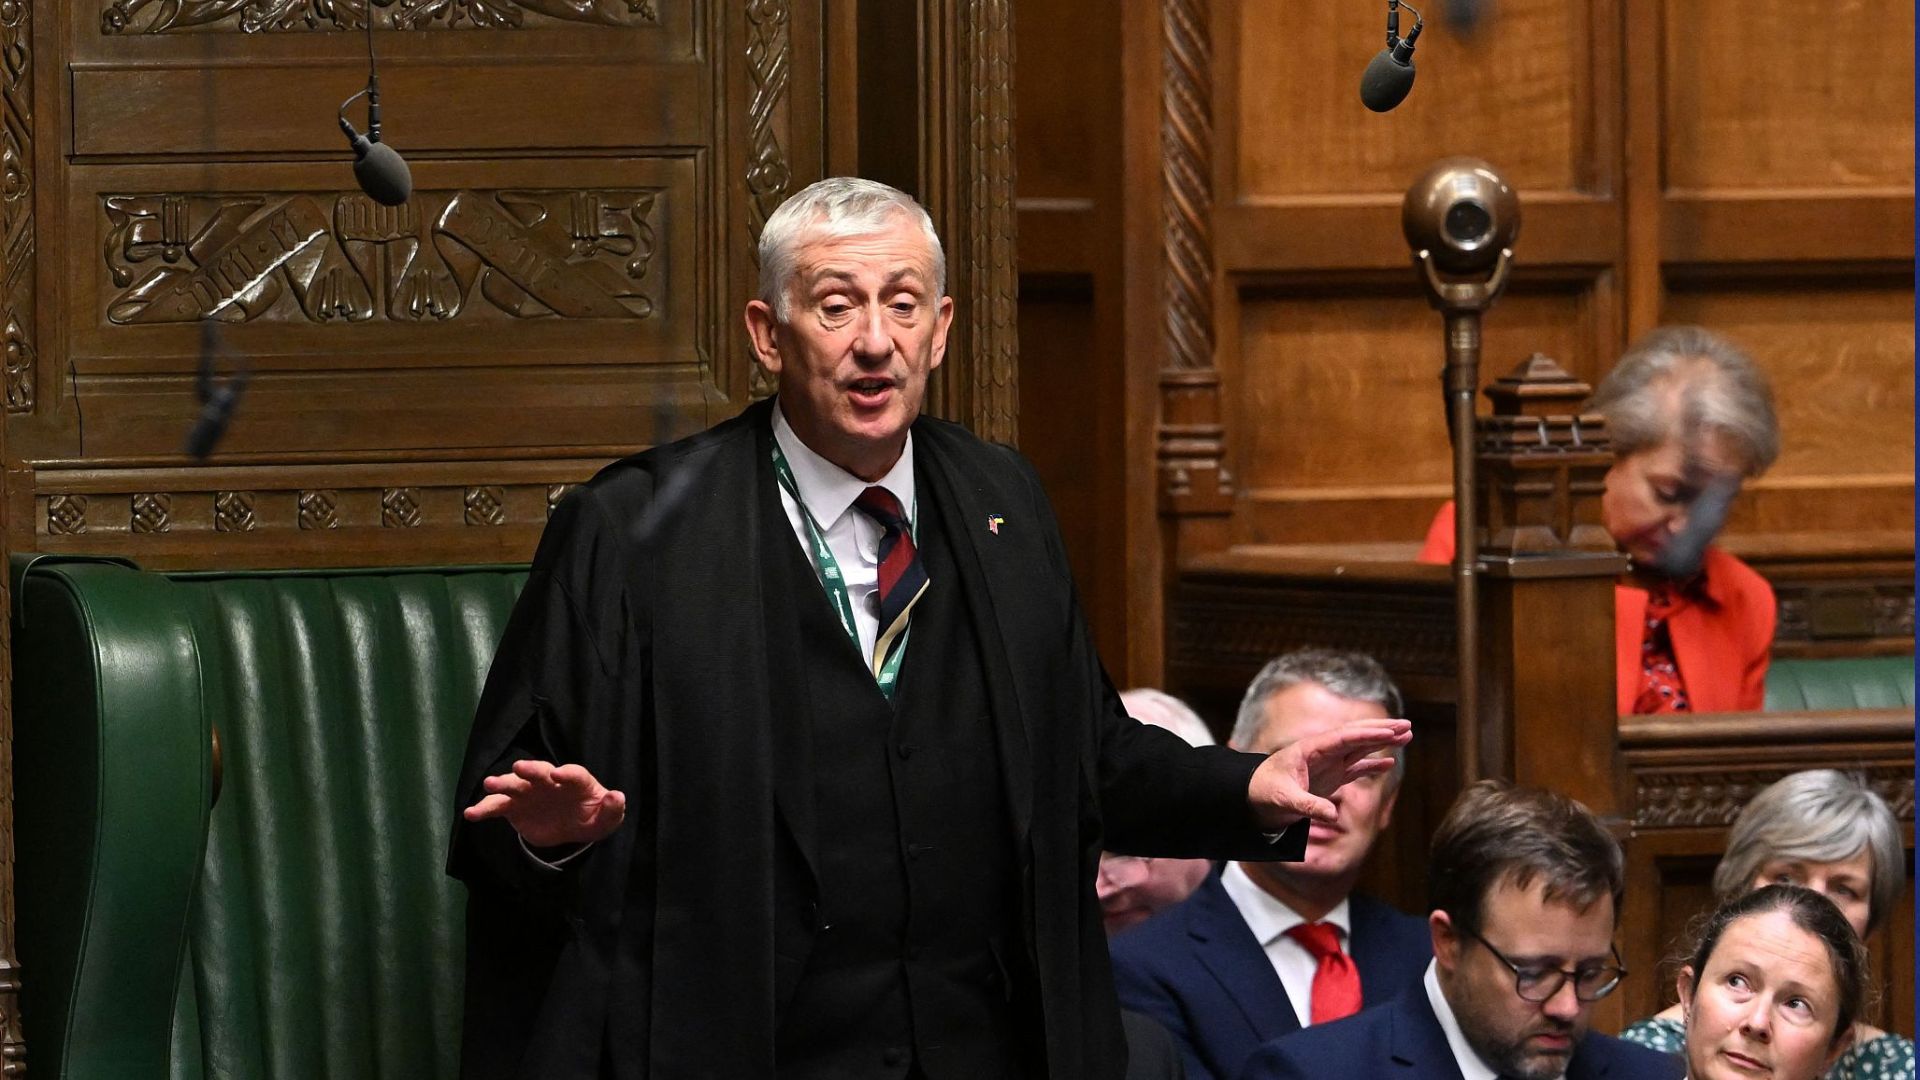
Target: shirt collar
826 489
1267 915
1472 1065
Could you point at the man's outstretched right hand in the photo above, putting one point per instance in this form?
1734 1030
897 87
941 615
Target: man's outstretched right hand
550 805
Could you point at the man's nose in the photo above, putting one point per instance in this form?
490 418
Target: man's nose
1564 1004
872 340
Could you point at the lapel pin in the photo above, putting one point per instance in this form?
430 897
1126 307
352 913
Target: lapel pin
994 521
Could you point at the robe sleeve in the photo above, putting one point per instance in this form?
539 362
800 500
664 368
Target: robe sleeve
560 684
1157 795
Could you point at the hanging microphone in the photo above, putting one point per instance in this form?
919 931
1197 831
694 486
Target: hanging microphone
380 170
217 400
1682 556
1389 75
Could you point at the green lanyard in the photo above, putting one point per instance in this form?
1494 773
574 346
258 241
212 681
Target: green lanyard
828 568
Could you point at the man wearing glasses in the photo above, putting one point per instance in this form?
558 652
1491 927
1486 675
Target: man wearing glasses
1525 886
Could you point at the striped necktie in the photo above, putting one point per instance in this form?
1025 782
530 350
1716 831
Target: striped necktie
902 577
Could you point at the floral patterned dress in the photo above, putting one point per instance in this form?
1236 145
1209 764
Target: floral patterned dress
1884 1057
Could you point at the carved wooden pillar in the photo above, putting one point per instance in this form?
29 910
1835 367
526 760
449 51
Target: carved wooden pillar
1194 480
1547 576
938 123
17 232
989 400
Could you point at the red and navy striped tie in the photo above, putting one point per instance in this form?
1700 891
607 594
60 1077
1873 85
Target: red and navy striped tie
902 577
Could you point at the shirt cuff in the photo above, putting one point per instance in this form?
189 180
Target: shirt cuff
553 858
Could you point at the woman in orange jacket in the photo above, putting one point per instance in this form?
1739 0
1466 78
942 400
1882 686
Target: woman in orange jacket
1687 410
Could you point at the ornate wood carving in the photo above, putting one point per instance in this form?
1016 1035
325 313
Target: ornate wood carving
1193 474
486 505
317 510
1222 627
151 510
340 257
400 508
1717 797
555 493
284 16
66 515
1827 611
16 204
1702 770
986 171
769 176
233 511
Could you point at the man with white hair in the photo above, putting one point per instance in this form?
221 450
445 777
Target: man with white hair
796 759
1133 888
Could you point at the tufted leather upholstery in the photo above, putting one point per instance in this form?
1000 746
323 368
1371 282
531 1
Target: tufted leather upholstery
1873 682
302 927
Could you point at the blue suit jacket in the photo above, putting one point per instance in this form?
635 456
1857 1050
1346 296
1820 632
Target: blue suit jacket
1403 1040
1197 969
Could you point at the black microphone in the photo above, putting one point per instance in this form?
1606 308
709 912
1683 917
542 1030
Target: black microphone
1389 75
217 401
380 170
1681 557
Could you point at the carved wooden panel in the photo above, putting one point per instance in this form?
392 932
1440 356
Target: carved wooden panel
284 16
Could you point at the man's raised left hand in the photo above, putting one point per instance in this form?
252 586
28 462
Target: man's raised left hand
1297 780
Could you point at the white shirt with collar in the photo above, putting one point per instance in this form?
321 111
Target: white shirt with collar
854 538
1270 918
1472 1065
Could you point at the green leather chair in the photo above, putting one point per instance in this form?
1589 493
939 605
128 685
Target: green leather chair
301 926
1873 682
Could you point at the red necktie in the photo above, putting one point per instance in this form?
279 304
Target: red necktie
1336 982
902 577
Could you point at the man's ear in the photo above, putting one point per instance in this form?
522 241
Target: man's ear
761 323
944 315
1446 940
1387 802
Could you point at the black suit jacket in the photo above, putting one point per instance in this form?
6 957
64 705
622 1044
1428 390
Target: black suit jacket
1197 969
1403 1040
641 648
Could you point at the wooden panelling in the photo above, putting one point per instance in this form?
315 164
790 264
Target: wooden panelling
1073 416
1316 371
1519 94
1787 97
1840 354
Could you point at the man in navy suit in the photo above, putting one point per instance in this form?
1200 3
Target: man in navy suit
1525 885
1232 966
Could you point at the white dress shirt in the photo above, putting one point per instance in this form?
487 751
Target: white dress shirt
1270 918
1472 1065
854 538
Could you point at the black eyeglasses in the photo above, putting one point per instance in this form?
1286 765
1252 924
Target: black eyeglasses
1539 984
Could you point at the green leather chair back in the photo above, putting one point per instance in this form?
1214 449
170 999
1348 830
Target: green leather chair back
303 928
1875 682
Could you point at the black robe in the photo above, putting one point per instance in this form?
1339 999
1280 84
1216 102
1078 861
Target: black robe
640 648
